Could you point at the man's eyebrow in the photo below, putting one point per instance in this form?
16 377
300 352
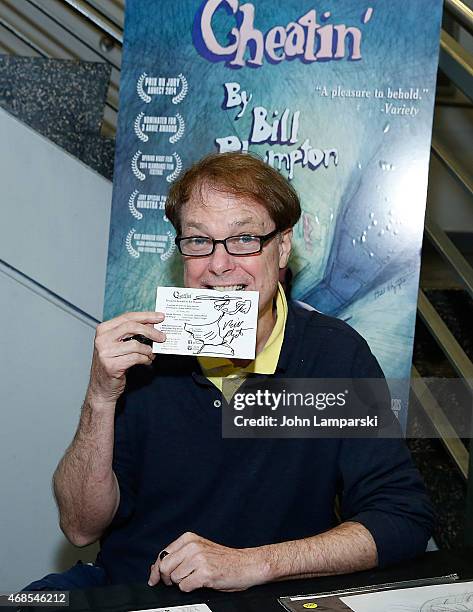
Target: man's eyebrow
238 223
246 221
195 224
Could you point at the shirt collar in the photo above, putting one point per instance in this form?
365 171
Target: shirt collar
265 362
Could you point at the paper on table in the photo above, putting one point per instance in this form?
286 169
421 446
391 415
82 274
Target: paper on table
207 322
435 598
190 608
334 600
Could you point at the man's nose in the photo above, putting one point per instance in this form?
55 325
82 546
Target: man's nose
220 260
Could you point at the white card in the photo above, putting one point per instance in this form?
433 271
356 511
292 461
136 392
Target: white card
189 608
207 322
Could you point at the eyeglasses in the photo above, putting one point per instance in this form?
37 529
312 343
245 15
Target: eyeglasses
202 246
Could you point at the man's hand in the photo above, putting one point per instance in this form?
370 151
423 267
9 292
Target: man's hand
113 355
193 562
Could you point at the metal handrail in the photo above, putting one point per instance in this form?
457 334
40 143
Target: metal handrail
456 63
445 339
450 253
453 444
53 298
458 174
97 18
462 13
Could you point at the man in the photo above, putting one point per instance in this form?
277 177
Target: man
148 469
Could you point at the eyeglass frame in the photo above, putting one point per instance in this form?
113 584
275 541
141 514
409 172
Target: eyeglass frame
263 240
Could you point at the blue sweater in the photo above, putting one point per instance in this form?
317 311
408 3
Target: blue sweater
177 474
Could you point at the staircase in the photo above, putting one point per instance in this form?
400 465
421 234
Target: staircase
447 487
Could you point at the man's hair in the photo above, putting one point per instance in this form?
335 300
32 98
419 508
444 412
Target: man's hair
239 174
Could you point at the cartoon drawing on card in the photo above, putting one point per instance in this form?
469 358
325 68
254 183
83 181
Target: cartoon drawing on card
218 335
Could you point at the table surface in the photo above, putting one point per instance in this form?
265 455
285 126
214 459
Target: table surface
121 598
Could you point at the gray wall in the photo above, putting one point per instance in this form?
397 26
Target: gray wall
55 218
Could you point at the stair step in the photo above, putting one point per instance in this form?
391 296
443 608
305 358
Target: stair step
63 100
455 307
54 95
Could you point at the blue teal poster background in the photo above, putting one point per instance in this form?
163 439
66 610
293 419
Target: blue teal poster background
337 94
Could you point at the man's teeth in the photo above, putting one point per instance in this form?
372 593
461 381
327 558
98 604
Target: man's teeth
227 287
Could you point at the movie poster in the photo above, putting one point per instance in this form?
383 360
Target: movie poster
336 94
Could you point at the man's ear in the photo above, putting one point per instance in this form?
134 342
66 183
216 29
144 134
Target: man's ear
285 244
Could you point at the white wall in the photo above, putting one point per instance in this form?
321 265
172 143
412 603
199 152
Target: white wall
54 229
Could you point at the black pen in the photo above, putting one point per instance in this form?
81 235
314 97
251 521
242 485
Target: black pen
140 338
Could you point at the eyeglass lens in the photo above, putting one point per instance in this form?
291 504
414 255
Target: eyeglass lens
236 245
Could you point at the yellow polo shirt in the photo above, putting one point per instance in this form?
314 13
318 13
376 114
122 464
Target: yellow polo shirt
217 368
